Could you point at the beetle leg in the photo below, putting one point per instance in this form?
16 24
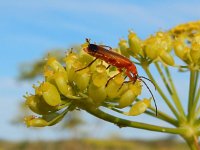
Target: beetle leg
113 77
123 83
87 65
108 67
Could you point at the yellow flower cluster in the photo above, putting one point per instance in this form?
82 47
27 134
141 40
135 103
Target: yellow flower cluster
186 30
66 85
186 43
155 48
183 39
189 50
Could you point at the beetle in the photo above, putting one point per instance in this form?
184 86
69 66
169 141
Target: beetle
122 63
112 58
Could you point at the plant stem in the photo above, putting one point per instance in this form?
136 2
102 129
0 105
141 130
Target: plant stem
174 95
127 123
163 78
193 143
163 116
161 92
196 80
195 111
191 94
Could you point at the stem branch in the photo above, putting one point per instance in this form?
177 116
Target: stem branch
174 94
127 123
191 94
161 92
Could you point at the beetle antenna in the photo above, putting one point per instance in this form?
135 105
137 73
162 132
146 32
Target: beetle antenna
87 40
148 80
151 95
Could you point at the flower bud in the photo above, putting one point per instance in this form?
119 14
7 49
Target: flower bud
152 48
100 77
139 107
37 104
123 47
97 94
155 45
82 80
135 44
71 72
70 59
126 99
180 49
61 82
166 41
136 87
32 121
195 53
122 90
54 64
113 86
167 58
48 74
85 58
49 93
195 48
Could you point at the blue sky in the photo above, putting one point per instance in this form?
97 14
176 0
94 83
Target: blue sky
29 28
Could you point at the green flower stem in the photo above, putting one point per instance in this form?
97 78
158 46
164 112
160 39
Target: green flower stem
196 81
198 133
161 92
112 108
61 116
191 94
175 96
196 110
163 116
175 123
197 122
126 123
196 95
193 143
196 100
63 106
163 78
172 89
